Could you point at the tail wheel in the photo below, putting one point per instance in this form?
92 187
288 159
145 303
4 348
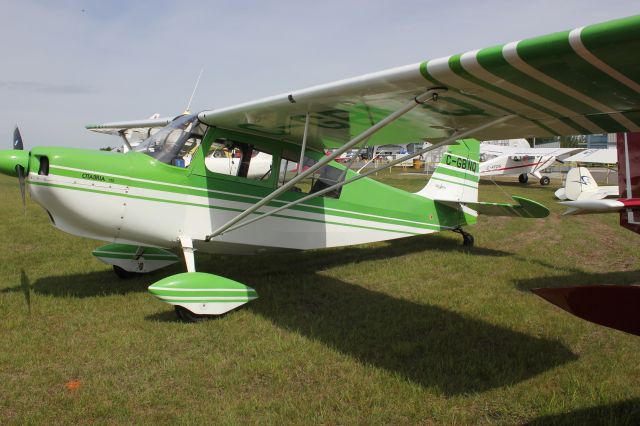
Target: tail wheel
544 180
523 178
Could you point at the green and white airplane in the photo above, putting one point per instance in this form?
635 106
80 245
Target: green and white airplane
161 196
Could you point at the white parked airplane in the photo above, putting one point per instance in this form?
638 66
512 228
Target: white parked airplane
580 185
522 162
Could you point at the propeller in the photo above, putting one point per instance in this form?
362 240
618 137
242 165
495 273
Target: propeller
17 139
20 171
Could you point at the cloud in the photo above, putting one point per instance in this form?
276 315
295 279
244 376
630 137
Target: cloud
47 88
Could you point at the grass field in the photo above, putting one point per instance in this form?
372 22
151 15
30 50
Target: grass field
412 331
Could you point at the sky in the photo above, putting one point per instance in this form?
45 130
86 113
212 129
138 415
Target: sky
69 63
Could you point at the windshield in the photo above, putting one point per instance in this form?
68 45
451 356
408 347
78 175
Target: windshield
175 143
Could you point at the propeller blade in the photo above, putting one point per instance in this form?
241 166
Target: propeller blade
17 139
615 306
21 180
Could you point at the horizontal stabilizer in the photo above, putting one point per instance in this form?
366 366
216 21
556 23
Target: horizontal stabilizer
613 306
600 206
525 208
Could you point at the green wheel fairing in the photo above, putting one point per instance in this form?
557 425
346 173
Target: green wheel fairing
203 293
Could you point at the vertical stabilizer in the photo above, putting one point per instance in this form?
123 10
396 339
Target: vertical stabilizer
579 182
456 177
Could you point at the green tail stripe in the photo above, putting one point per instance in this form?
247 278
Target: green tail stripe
457 174
454 183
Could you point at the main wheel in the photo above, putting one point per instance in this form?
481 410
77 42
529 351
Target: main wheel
467 240
187 316
523 178
544 180
123 274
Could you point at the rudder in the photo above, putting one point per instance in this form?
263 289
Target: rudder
457 176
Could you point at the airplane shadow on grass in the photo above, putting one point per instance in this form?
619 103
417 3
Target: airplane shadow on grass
425 344
621 413
579 278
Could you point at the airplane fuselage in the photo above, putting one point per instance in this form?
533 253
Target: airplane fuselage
506 165
134 199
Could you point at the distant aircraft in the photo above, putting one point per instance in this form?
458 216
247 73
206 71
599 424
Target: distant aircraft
628 152
149 201
519 161
580 185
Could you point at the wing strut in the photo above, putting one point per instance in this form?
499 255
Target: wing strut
447 141
429 95
304 143
126 141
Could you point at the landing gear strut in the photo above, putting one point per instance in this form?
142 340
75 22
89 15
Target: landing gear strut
467 238
523 178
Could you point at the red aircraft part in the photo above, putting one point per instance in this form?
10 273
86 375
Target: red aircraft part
614 306
629 177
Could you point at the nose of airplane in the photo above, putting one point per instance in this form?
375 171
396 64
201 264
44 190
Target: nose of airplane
10 159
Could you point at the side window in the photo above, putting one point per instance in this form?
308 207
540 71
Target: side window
322 178
240 159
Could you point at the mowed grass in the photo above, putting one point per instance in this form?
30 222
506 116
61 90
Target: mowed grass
411 331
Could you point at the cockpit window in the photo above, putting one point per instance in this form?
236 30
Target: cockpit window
239 159
176 143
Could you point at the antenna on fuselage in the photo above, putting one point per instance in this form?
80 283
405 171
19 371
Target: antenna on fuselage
188 109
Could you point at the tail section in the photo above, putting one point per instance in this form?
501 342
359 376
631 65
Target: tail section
579 182
456 177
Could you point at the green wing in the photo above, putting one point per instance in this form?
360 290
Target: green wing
573 82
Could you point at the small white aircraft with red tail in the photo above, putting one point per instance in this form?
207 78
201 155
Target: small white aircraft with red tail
521 162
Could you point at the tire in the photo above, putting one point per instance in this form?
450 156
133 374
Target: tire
544 180
187 316
467 240
123 274
523 178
